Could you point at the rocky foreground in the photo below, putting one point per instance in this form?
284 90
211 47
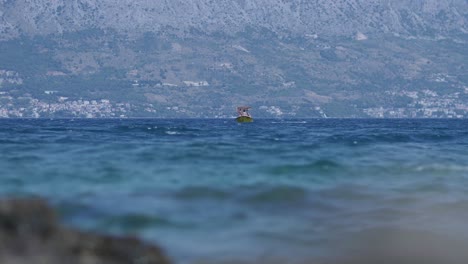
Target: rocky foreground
31 233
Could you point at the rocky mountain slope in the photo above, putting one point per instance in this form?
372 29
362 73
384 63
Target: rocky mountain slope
430 17
320 58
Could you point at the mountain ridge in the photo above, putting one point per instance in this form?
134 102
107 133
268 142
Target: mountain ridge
431 17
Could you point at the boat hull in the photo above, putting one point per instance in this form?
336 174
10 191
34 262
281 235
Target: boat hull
244 119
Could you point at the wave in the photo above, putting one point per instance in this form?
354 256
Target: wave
289 122
201 192
319 166
155 129
135 222
367 137
24 159
441 168
278 195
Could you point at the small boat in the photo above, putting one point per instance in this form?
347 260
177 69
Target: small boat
243 114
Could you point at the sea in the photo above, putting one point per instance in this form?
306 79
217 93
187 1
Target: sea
271 191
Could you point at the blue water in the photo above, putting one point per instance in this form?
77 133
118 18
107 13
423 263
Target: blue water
215 190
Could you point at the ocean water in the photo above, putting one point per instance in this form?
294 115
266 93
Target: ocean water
272 191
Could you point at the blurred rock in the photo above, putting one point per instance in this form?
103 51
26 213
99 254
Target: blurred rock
30 233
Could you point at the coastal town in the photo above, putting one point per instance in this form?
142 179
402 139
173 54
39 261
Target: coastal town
424 104
63 108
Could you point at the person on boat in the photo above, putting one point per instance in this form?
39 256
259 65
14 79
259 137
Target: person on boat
242 111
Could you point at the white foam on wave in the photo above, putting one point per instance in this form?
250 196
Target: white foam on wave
289 122
442 167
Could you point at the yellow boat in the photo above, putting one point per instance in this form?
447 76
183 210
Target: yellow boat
244 119
243 114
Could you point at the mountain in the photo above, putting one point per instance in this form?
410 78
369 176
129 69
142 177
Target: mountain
201 58
324 17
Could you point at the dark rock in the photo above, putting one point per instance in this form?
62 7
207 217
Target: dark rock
30 233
